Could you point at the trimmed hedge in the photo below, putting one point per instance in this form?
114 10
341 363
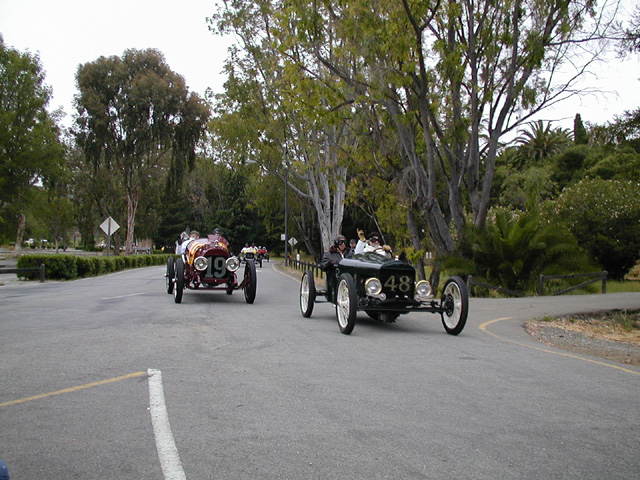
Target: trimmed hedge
70 267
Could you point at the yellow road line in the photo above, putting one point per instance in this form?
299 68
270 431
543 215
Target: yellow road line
73 389
484 326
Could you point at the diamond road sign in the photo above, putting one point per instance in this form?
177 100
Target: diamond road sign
109 226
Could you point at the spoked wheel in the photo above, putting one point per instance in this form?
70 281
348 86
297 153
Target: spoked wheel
455 301
346 303
307 293
171 272
251 281
178 288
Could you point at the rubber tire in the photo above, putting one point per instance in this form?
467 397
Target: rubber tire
346 303
171 272
455 298
251 279
307 293
179 286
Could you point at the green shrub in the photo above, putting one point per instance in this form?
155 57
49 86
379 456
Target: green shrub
57 267
604 216
515 250
83 264
69 267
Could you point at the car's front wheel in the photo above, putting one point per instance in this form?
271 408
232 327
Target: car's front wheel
455 301
346 303
178 288
307 293
170 274
251 281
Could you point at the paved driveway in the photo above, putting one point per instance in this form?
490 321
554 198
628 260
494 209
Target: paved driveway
258 391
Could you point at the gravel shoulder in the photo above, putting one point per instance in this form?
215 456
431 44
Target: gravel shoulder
611 335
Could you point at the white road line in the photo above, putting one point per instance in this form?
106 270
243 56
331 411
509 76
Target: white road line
165 444
122 296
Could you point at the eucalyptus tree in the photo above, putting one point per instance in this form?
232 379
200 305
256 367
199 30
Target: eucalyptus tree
30 150
137 120
290 103
454 77
630 38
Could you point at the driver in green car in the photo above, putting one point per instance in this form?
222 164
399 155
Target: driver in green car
331 259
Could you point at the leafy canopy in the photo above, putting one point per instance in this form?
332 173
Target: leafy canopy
604 215
30 150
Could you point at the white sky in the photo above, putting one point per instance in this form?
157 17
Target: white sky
67 33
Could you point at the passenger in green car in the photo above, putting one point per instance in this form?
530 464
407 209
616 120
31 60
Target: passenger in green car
371 244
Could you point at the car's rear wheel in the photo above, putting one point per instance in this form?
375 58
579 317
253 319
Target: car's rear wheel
170 274
251 281
178 288
307 293
346 303
455 301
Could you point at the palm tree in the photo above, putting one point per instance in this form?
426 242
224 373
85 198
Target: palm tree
515 250
539 143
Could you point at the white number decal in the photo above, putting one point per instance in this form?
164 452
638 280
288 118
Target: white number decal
219 265
403 285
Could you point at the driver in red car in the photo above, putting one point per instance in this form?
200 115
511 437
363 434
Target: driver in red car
185 239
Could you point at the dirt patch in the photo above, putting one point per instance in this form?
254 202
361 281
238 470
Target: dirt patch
613 335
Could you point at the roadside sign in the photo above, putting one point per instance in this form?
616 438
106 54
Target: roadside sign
109 226
293 241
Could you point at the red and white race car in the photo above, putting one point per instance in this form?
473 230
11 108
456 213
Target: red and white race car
208 263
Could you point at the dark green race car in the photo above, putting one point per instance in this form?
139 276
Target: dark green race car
384 289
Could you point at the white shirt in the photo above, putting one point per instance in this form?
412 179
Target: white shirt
366 247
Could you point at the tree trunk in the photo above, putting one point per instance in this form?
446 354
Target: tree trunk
132 205
415 242
22 225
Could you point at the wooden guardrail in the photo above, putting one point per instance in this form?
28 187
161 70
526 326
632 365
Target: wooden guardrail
18 271
471 282
597 276
300 265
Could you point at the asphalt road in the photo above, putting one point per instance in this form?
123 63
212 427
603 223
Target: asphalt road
259 392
